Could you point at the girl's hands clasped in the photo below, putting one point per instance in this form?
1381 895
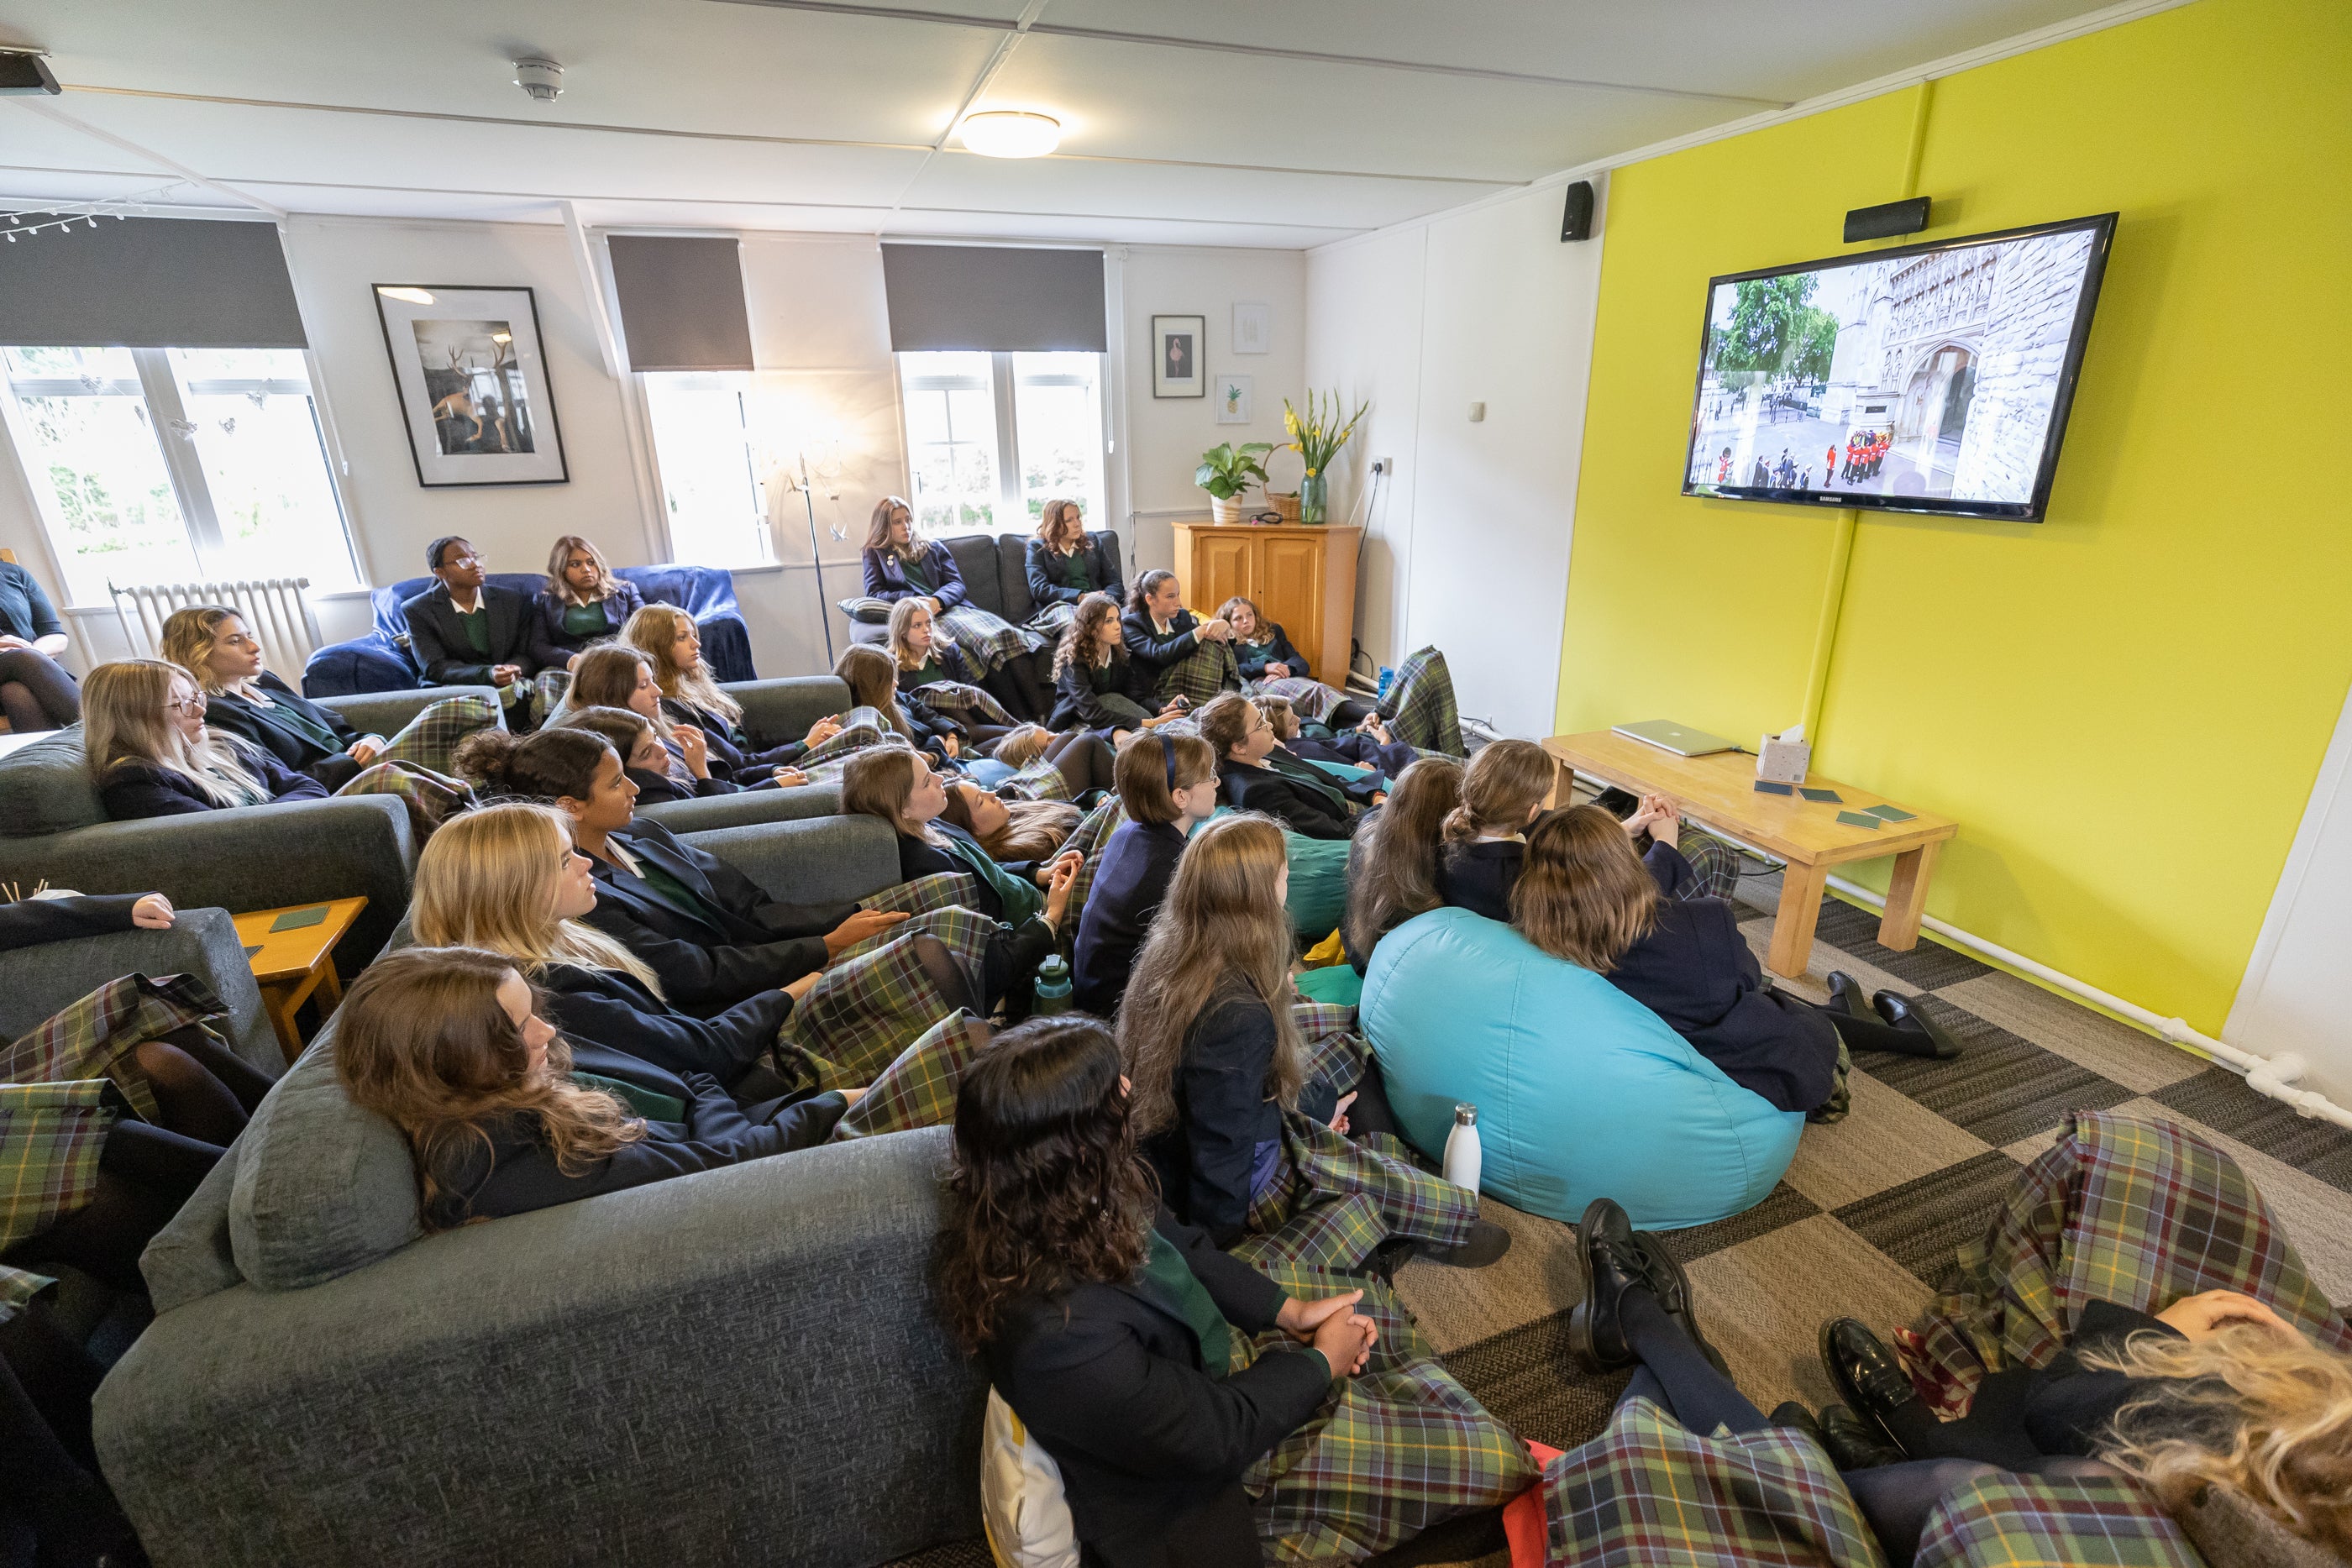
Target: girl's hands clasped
1057 880
1344 1336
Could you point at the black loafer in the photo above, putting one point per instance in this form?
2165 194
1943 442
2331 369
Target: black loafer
1487 1244
1845 995
1796 1419
1865 1373
1672 1287
1902 1013
1852 1443
1609 1263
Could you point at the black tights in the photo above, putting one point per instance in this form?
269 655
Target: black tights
1014 685
45 1384
1895 1498
1874 1034
1086 760
35 692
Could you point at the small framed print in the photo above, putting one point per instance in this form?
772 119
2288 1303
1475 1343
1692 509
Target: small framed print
473 386
1234 400
1253 327
1176 344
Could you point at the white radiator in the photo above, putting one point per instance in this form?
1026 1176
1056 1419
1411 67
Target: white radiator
273 608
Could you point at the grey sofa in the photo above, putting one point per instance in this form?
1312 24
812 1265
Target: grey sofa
741 1366
53 829
39 982
995 569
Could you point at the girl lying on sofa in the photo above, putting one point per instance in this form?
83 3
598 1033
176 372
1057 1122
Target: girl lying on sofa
451 1046
614 675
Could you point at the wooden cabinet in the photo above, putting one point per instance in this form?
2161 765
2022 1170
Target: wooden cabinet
1302 578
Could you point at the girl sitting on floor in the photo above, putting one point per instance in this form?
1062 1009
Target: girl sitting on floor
1314 808
1263 657
1392 865
243 700
1168 786
899 785
924 660
1366 745
450 1045
1502 791
1097 685
151 754
710 936
668 637
1584 896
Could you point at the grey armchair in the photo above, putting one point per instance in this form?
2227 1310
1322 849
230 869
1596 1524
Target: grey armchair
38 983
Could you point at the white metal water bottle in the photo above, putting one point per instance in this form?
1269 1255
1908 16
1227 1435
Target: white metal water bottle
1461 1153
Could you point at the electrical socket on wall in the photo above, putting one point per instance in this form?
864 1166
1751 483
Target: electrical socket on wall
1380 465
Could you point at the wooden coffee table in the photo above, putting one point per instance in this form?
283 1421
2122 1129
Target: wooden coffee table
1719 792
292 963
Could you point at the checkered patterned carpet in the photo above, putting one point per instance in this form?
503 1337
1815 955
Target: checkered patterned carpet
1869 1213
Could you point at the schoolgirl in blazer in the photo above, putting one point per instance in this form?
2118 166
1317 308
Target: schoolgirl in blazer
1053 574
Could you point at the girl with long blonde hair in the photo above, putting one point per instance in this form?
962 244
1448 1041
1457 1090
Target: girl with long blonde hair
900 564
246 701
150 755
508 878
503 1116
672 646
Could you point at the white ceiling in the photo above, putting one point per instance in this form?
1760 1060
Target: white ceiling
1259 122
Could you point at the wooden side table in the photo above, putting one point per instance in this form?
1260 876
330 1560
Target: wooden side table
291 962
1720 791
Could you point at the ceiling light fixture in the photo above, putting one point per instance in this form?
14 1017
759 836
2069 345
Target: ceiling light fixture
540 77
1010 133
411 295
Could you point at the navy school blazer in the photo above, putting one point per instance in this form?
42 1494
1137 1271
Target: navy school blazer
133 791
271 729
437 635
732 750
1149 648
1132 878
1275 650
1079 690
1150 1444
612 1009
30 922
1046 570
886 575
1314 812
551 644
741 943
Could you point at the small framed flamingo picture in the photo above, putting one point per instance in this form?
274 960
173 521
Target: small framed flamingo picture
472 383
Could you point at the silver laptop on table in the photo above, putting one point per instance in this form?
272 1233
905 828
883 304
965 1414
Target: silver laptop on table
1681 739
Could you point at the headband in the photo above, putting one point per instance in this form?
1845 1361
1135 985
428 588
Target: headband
1168 755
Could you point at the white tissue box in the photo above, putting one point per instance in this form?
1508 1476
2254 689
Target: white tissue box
1783 761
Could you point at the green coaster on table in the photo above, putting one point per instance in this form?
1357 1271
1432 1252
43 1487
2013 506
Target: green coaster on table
1766 787
1890 813
1823 797
1859 819
295 919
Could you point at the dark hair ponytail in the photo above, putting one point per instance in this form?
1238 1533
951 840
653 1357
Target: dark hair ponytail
547 765
1146 586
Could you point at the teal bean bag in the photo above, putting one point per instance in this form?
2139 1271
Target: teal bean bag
1319 882
1582 1092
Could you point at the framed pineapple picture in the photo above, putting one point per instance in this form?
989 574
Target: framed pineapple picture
472 384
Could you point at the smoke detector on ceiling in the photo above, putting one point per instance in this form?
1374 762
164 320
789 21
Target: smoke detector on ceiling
540 77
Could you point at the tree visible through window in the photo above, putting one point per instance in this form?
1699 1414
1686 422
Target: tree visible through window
177 464
992 438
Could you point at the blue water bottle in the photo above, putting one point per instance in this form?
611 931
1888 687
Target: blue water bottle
1388 679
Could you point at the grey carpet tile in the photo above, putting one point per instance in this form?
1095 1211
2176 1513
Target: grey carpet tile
954 1554
1920 1223
1462 1306
1784 1205
1527 1377
2140 1062
2001 1088
1886 1139
1928 966
2220 1099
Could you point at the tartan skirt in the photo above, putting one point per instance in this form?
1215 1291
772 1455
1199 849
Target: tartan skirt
1307 697
430 739
860 727
1420 707
877 1000
1200 675
432 797
987 641
66 1083
962 701
2135 1212
1093 831
918 1090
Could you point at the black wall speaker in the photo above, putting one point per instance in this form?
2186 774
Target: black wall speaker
1576 220
1887 220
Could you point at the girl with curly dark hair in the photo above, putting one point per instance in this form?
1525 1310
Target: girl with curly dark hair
1106 1324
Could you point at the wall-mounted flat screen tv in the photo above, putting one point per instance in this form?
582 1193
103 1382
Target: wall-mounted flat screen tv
1935 378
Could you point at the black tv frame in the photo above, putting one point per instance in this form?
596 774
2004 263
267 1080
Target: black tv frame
2102 228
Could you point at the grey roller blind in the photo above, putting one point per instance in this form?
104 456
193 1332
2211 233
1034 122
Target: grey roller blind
150 282
681 302
998 297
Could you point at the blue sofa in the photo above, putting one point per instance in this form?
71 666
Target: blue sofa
381 661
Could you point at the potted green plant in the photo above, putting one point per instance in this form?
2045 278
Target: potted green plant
1226 471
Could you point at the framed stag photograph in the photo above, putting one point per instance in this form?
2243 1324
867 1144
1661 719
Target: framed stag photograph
472 384
1176 343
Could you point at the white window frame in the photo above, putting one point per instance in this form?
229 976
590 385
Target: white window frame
1003 381
740 384
159 389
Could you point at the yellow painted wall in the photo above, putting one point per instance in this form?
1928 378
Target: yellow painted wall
2126 706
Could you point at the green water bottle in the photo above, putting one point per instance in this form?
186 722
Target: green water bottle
1051 994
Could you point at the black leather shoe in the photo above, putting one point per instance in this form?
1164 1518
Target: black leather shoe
1796 1418
1845 995
1672 1287
1899 1010
1610 1262
1865 1373
1487 1244
1852 1443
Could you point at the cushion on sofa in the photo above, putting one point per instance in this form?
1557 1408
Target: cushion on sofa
45 788
975 557
1582 1092
1013 576
322 1187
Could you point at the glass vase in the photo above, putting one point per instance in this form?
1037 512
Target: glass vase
1313 495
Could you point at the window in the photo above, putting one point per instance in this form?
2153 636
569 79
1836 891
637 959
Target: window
703 443
990 438
177 464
